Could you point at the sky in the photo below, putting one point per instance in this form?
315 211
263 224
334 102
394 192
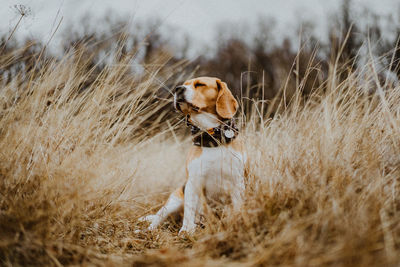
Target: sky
198 19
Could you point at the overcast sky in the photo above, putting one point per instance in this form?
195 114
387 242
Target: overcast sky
198 19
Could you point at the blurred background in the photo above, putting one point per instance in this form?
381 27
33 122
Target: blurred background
89 140
257 47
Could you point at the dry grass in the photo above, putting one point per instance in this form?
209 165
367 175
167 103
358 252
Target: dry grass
77 172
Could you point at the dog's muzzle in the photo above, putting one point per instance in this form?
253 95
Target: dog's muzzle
180 101
179 97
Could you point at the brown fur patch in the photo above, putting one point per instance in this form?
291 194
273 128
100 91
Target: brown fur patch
179 193
194 152
206 93
226 104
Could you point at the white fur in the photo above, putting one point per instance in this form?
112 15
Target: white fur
205 120
174 204
220 172
188 94
175 102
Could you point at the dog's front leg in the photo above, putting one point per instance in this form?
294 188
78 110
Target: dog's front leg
191 204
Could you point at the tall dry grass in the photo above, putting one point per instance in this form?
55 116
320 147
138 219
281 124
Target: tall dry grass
79 167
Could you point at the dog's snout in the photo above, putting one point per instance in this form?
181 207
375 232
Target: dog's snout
179 97
179 89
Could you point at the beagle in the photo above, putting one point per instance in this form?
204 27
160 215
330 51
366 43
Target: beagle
215 164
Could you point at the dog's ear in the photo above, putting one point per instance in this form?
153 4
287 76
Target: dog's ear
226 103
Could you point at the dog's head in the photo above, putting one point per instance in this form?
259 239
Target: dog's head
207 100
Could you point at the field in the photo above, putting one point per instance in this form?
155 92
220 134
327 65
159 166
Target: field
89 143
79 166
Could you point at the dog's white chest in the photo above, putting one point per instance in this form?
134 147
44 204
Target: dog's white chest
217 170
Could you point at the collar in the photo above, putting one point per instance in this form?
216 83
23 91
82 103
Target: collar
213 137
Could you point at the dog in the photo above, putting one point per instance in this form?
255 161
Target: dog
216 163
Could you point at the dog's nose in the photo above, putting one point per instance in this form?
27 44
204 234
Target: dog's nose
179 89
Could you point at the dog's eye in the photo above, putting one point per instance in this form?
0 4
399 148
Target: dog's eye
199 84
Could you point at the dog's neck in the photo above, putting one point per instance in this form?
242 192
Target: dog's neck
205 120
224 132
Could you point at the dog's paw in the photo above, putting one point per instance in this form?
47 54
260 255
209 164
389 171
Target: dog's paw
154 221
186 231
148 218
145 230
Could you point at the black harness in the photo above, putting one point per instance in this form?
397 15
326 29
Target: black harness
214 137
